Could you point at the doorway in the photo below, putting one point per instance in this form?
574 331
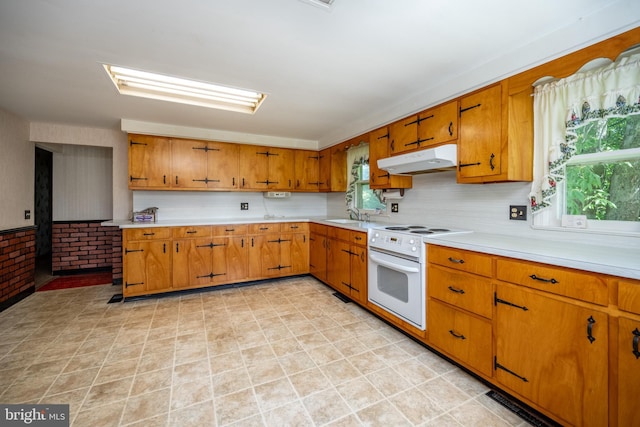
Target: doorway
43 214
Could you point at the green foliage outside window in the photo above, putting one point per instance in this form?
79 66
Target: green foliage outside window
607 190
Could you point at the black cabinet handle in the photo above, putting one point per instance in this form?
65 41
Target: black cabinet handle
457 291
541 279
636 340
459 336
590 322
456 261
149 234
491 161
450 128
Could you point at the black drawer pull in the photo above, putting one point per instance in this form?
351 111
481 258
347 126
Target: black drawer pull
456 261
149 234
191 232
590 322
636 339
460 336
457 291
541 279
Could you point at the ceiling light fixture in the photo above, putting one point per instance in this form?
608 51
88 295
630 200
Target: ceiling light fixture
325 4
184 91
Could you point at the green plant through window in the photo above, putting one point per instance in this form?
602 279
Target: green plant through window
600 185
365 197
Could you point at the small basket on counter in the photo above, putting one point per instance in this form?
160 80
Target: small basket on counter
147 215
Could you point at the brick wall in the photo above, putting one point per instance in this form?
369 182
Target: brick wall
79 246
17 265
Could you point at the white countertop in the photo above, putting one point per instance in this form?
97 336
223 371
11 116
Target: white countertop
616 261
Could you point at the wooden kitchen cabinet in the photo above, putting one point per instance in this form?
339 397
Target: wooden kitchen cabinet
403 135
347 262
495 141
266 168
307 170
460 306
146 261
379 149
439 125
149 162
554 353
277 250
204 164
324 172
318 251
628 354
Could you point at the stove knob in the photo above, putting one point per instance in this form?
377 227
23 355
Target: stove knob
411 242
373 240
376 235
413 249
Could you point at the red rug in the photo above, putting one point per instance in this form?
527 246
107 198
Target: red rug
77 281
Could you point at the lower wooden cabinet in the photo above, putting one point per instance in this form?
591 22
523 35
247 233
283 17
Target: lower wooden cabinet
628 364
554 353
318 251
347 264
146 267
200 262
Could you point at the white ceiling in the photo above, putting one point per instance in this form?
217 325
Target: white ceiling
329 75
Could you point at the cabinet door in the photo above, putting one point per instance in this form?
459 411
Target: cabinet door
188 163
378 149
358 284
403 135
439 125
318 256
147 267
222 165
149 162
325 170
338 265
299 254
192 262
628 372
480 139
553 353
254 167
237 259
281 166
307 169
264 256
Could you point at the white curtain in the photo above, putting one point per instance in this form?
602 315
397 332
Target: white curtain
563 105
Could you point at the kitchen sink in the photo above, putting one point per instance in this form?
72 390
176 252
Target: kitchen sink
344 221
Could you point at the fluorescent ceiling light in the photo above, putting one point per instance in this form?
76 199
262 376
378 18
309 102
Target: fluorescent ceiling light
325 4
174 89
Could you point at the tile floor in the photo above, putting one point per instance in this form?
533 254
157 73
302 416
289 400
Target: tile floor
276 354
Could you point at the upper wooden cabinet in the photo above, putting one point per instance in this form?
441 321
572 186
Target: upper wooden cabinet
266 168
204 164
324 172
307 170
429 128
495 141
379 149
149 162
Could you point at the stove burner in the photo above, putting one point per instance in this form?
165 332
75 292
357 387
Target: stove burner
422 231
439 230
397 228
416 226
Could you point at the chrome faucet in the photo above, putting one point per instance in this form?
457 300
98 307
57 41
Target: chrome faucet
354 213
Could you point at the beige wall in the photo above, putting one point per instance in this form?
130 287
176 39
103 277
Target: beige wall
49 133
17 163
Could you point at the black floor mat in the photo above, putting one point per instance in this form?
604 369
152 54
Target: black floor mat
115 298
516 408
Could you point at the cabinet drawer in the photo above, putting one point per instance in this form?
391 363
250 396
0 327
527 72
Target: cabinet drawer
470 292
338 233
230 230
268 227
358 238
318 229
629 295
296 227
471 262
147 233
461 335
556 280
192 231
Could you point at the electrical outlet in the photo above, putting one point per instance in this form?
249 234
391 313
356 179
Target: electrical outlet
394 207
244 206
518 212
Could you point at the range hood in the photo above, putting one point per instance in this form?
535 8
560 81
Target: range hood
434 159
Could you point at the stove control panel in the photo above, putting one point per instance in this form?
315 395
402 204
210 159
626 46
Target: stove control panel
395 242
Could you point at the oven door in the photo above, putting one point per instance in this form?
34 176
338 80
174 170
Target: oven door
396 285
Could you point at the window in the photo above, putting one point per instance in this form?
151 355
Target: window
365 198
587 149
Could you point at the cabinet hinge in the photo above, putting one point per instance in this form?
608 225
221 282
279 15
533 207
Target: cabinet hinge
128 251
462 110
132 143
497 301
127 284
497 366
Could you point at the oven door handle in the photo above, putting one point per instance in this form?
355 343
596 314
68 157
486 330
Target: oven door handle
393 266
